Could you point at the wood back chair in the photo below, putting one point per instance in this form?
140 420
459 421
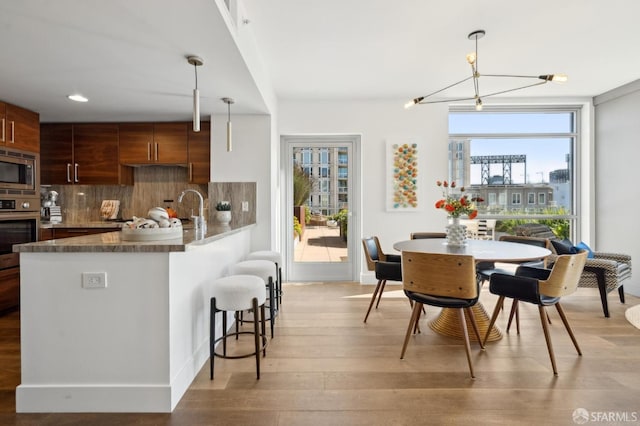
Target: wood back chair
442 280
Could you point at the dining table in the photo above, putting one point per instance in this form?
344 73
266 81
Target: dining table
447 322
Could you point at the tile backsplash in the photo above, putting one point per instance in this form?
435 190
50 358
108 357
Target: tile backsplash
156 186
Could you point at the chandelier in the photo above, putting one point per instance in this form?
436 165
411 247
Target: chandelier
472 59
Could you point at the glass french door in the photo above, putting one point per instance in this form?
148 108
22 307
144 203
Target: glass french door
321 215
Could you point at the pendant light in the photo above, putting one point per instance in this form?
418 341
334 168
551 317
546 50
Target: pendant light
196 62
228 101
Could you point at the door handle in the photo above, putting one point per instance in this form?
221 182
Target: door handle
149 151
75 172
13 132
2 139
190 172
69 172
156 152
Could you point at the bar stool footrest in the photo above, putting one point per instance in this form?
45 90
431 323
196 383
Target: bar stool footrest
262 348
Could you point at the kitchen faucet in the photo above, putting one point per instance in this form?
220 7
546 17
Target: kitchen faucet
200 222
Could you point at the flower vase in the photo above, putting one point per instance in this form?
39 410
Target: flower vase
223 217
456 233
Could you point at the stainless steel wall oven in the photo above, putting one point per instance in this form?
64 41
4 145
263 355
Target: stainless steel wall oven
19 223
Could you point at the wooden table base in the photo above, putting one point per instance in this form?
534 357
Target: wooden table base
447 324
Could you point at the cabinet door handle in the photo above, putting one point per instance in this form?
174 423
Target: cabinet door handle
190 172
75 172
13 132
2 140
148 151
69 172
156 152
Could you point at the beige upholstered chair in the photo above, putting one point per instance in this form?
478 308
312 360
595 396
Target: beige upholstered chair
605 271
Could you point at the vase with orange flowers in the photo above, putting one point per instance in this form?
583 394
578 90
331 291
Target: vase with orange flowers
456 204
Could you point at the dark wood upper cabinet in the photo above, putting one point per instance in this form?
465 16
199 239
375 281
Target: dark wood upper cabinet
136 143
170 141
153 143
84 154
103 153
19 128
95 154
199 154
56 154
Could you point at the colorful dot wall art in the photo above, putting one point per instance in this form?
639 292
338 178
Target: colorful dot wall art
405 176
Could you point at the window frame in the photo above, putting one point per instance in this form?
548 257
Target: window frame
576 147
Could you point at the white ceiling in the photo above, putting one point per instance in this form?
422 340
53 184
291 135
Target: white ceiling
129 56
404 49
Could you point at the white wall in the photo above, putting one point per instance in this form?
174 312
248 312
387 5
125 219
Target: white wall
378 121
617 131
249 161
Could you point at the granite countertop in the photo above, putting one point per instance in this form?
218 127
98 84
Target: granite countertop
94 224
186 223
111 242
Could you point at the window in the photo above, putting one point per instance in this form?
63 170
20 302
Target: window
323 172
324 156
515 198
542 198
306 156
516 151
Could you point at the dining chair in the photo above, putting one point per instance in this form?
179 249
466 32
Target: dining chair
542 287
486 269
445 281
386 267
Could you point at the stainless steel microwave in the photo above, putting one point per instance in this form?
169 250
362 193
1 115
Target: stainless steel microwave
18 170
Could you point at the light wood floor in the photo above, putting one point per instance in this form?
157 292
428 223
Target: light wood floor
325 367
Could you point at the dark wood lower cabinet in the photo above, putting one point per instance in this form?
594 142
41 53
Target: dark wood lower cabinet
9 289
54 233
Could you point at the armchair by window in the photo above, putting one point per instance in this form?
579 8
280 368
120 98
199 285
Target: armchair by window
603 270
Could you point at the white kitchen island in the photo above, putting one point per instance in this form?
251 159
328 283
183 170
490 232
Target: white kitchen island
134 346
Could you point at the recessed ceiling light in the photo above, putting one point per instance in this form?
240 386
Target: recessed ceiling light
78 98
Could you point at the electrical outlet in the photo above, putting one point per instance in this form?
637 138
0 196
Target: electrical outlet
94 280
245 206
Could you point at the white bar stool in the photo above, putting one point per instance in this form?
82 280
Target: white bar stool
232 294
275 257
264 270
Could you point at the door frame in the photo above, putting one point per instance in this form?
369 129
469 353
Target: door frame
355 204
